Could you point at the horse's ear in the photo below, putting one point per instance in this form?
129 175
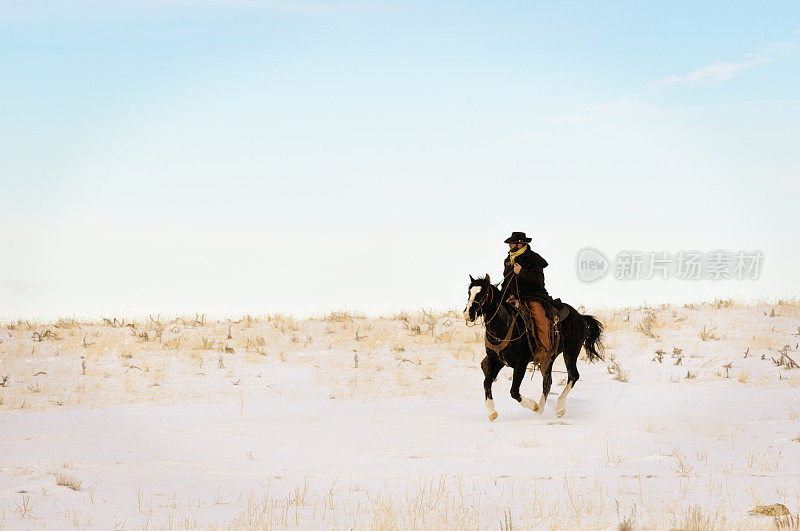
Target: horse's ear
487 278
471 279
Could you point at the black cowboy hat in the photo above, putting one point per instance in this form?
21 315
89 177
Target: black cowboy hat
517 237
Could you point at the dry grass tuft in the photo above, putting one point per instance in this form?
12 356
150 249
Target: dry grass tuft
614 459
681 464
789 521
26 506
615 369
65 480
776 509
341 317
649 325
709 334
626 523
529 441
695 519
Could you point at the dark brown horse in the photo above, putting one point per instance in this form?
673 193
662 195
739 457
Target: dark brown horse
507 345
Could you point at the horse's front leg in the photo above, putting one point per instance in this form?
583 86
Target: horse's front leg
547 381
491 368
516 382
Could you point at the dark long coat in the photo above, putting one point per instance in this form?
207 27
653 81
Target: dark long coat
528 285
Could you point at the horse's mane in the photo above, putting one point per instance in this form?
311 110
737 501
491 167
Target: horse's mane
497 292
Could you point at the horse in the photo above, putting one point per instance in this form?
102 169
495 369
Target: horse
507 345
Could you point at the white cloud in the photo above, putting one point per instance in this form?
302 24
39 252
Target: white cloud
723 71
707 75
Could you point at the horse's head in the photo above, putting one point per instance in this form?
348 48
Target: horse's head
480 291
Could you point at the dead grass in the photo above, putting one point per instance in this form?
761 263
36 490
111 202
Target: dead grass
529 441
791 522
649 325
709 334
681 464
195 358
614 458
66 480
431 502
696 518
615 369
169 360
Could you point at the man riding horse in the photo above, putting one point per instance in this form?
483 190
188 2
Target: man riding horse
506 336
523 280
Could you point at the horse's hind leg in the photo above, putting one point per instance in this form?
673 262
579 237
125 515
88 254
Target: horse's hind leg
571 361
491 368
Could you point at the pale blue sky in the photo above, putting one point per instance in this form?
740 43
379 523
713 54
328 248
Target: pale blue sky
250 156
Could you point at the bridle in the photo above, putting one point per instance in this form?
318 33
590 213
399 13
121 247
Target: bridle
490 296
486 320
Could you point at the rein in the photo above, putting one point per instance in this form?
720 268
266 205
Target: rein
503 344
506 340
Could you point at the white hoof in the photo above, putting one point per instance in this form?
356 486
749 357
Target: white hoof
490 410
562 399
542 402
528 403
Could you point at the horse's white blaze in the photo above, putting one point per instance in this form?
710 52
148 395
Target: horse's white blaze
562 399
473 292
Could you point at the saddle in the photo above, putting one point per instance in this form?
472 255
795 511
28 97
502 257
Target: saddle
555 312
557 309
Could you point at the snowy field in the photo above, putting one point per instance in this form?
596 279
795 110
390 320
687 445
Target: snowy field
692 420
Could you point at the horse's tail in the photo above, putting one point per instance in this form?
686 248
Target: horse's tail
593 341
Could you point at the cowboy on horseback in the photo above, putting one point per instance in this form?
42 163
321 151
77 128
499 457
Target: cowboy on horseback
507 340
523 280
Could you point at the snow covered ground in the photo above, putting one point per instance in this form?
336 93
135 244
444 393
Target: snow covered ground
346 422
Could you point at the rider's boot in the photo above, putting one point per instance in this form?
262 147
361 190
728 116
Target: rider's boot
542 328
